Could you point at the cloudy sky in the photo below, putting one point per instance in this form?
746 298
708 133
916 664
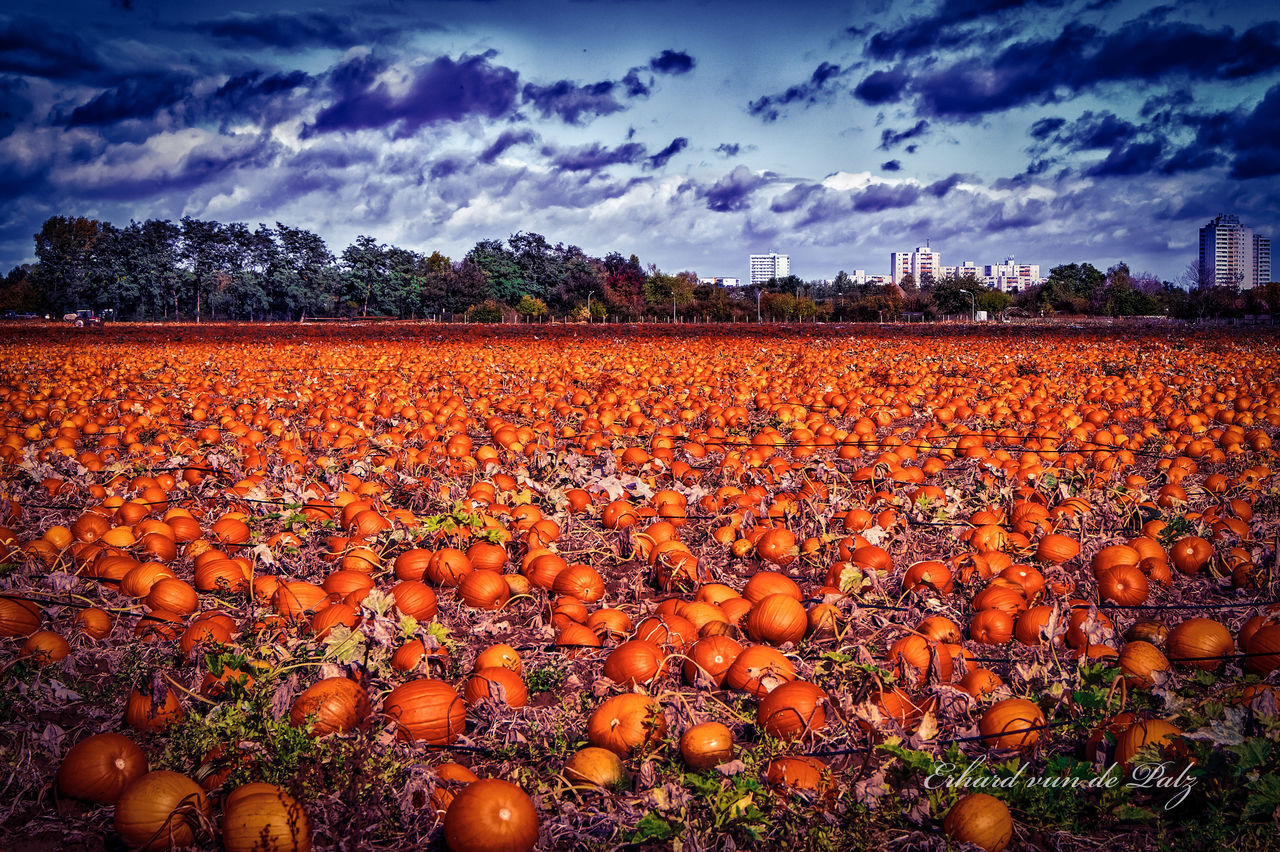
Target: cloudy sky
690 133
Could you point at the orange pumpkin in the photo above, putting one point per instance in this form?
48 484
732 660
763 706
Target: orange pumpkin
980 819
1011 723
98 768
706 745
794 709
624 723
159 810
426 709
491 815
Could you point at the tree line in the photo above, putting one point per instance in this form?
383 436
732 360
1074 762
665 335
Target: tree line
206 270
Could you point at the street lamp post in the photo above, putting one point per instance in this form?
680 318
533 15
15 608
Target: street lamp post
758 305
588 307
973 306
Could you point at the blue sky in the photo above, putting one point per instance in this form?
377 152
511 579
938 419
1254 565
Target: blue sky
691 134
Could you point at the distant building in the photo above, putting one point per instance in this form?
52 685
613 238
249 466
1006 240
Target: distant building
1007 277
924 264
721 281
766 266
1233 254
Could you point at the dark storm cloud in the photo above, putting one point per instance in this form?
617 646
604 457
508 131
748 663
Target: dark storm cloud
572 102
819 87
795 197
595 156
1046 127
32 47
1255 139
1082 57
136 97
940 188
442 90
890 138
1028 215
15 105
733 191
880 197
447 167
892 166
883 86
660 159
507 140
951 26
290 30
728 149
204 164
672 62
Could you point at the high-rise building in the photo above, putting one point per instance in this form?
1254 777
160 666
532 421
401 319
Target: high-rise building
771 265
1232 253
924 264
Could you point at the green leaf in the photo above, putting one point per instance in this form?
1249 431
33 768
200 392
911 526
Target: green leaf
1253 753
652 827
1264 796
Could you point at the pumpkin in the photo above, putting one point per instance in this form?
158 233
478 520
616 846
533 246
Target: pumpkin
44 647
808 774
712 656
141 713
1138 660
338 704
794 709
759 669
1030 626
1126 585
264 818
765 583
1190 554
18 617
898 705
497 683
484 590
491 815
448 566
939 629
595 766
777 619
636 662
1054 549
1263 650
777 546
1143 733
94 622
706 745
929 575
426 709
98 768
917 652
1199 642
980 819
485 556
991 627
412 564
160 810
175 595
499 655
1114 555
980 682
1011 723
416 599
580 581
450 778
625 723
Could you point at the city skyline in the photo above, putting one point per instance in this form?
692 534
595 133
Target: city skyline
1056 131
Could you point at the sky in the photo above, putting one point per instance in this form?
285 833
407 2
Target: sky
691 134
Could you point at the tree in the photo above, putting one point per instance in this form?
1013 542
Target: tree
305 278
623 282
531 307
65 251
1071 288
18 292
365 273
661 289
498 263
203 253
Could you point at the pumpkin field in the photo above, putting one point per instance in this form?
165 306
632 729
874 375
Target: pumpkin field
416 586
